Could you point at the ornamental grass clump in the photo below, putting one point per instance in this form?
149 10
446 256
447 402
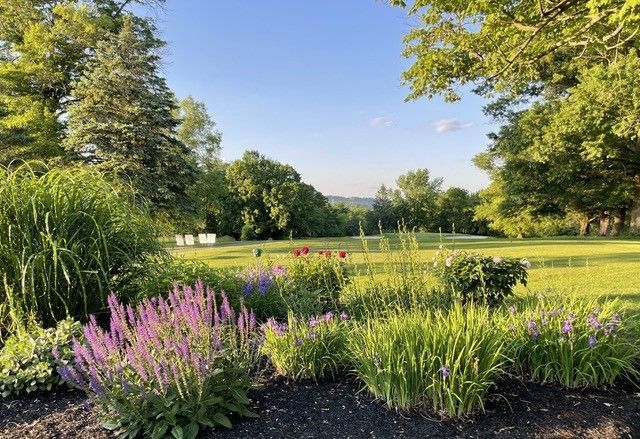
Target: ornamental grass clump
68 238
572 341
400 282
169 367
445 360
307 348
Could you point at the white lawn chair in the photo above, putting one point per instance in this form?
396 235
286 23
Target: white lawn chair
202 238
188 240
211 238
179 240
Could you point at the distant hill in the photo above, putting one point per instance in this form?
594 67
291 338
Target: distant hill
351 201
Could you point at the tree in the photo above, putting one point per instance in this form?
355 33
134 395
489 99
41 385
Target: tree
197 130
455 211
600 122
122 119
512 46
45 45
382 212
273 200
416 198
218 206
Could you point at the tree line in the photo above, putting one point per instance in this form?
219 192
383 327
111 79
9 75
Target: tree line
80 84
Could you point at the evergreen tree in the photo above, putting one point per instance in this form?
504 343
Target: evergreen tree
123 119
382 213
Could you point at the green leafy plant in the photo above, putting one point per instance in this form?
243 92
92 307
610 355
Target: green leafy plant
573 341
169 367
479 278
307 348
160 273
67 239
27 361
325 273
443 360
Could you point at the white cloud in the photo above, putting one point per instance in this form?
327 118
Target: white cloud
453 124
381 121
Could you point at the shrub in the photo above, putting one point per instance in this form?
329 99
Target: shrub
307 348
171 366
67 239
479 278
576 342
162 272
324 274
248 233
270 291
443 360
27 363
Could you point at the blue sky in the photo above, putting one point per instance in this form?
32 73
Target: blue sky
316 84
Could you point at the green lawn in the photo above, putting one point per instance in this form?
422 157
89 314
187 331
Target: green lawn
586 266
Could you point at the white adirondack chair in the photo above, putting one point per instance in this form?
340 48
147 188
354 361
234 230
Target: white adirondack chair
179 240
211 238
188 240
202 238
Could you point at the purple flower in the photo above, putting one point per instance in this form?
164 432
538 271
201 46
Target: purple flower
512 309
533 330
593 321
297 342
248 289
444 371
313 322
567 326
279 271
328 316
312 335
161 344
264 283
344 316
592 341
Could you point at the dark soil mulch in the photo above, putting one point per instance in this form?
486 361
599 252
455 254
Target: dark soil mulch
339 410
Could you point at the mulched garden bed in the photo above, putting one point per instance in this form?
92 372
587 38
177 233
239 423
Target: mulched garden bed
339 410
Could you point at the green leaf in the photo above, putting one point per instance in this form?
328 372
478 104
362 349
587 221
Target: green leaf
221 419
177 432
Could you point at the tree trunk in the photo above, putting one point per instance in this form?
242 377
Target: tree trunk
619 216
585 225
604 224
634 227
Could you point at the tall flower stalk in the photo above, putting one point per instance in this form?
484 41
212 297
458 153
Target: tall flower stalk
174 364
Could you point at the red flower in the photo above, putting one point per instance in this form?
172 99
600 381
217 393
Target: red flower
320 252
327 253
304 250
342 254
296 252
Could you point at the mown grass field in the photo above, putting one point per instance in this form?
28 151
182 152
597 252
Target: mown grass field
585 266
